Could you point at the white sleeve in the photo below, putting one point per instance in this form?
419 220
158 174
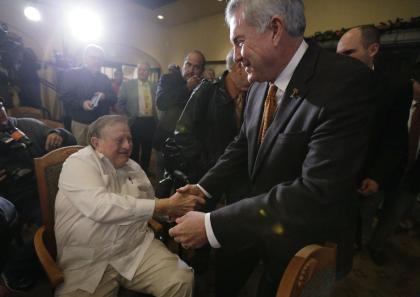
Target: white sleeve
81 182
209 232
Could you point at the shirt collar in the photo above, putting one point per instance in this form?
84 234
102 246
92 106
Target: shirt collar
284 77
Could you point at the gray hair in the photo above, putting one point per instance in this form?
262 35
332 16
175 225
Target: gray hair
96 128
258 13
230 61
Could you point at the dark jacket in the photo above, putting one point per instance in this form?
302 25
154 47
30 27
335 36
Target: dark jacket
21 188
171 96
304 173
207 125
79 85
388 150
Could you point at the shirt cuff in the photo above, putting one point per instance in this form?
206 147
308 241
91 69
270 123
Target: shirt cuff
144 209
204 191
209 232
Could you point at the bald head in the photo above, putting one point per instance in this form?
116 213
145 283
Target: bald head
361 43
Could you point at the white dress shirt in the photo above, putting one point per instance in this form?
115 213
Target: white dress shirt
282 81
101 216
412 108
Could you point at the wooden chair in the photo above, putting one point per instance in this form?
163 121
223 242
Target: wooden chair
52 124
25 112
310 273
47 169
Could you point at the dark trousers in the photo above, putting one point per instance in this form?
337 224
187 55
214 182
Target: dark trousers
396 205
142 131
232 270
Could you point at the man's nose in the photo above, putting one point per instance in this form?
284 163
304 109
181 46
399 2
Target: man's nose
237 54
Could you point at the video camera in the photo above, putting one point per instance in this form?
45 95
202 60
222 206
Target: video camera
11 50
15 149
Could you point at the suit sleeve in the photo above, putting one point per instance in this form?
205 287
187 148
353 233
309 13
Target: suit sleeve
319 196
230 165
190 130
390 152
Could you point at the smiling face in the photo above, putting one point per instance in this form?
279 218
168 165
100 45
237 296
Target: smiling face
256 51
115 143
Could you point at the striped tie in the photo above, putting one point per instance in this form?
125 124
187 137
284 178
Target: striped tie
270 106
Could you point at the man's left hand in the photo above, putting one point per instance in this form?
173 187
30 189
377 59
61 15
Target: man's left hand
54 140
190 230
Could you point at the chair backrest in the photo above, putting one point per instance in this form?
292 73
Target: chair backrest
310 273
25 112
47 169
52 124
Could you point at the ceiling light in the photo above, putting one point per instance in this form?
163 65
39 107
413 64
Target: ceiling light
160 17
32 13
85 24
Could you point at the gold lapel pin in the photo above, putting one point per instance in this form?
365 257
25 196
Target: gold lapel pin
295 93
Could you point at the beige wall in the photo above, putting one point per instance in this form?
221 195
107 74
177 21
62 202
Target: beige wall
126 29
211 34
127 38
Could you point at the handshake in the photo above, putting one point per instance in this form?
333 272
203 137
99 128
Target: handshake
184 200
190 229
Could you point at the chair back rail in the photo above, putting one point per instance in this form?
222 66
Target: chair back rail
310 273
47 170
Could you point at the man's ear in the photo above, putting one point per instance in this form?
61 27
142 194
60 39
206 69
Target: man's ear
94 141
277 28
373 49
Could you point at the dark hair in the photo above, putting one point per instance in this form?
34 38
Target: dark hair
203 59
370 34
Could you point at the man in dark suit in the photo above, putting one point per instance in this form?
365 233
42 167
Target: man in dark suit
174 90
136 100
387 156
303 167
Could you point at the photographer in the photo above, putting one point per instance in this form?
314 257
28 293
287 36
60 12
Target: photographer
21 140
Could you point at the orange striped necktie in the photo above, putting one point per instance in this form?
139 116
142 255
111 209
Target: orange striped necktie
270 106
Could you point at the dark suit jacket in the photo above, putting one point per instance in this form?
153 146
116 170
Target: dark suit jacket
304 174
388 150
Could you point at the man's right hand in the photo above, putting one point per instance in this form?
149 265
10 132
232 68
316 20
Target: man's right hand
192 82
178 204
3 175
87 105
181 203
191 189
368 187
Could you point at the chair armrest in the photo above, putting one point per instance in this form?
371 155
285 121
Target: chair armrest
54 273
156 226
